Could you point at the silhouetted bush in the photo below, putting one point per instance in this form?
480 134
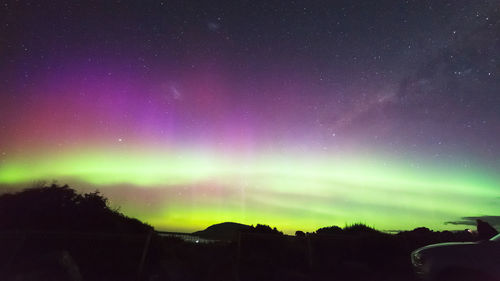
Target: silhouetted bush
56 208
359 228
265 229
329 230
58 234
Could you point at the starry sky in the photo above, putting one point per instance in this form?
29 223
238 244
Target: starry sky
297 114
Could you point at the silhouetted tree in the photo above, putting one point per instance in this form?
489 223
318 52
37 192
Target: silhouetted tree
329 230
300 233
264 229
58 207
52 245
359 228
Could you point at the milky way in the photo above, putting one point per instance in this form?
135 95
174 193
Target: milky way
294 114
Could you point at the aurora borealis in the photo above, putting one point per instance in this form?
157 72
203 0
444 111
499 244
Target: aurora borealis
294 114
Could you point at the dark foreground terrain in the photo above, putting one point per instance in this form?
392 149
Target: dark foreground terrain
53 233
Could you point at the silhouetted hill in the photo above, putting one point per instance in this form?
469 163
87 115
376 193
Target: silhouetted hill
223 231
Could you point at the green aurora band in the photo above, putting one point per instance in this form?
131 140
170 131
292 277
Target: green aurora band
290 192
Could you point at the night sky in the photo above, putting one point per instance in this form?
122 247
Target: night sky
297 114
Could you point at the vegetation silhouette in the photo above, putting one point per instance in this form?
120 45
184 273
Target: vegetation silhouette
300 233
58 207
330 230
264 229
54 233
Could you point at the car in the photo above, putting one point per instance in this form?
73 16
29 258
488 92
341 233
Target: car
472 261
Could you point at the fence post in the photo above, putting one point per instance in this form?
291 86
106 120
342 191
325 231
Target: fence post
144 254
309 251
238 257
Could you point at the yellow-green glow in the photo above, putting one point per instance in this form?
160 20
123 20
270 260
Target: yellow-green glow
291 192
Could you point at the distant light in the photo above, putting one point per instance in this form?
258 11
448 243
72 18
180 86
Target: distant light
120 140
